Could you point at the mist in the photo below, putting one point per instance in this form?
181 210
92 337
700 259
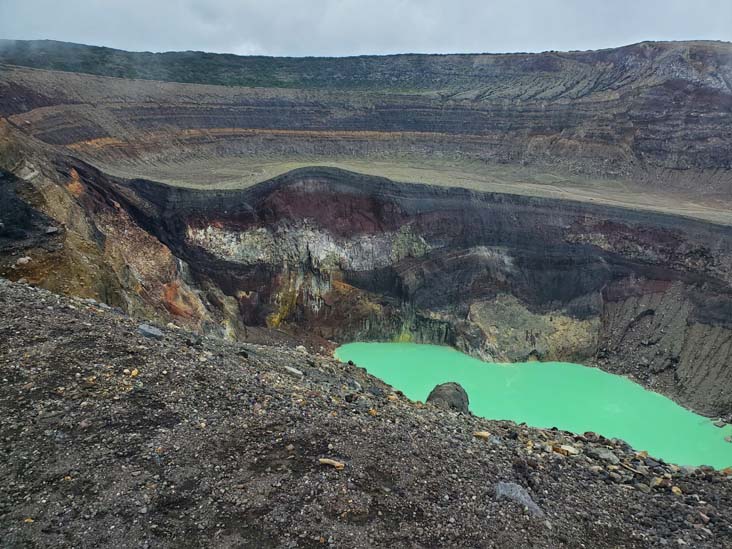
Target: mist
351 27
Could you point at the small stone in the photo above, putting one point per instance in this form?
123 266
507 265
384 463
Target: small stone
52 230
301 349
676 490
23 260
615 477
135 373
150 331
338 465
567 450
376 391
484 435
604 454
689 469
719 423
194 341
517 494
293 371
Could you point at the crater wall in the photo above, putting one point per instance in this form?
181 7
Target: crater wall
506 278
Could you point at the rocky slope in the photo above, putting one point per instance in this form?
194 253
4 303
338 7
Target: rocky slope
113 438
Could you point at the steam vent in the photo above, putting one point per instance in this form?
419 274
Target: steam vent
187 238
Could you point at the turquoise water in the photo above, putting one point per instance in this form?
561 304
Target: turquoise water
552 394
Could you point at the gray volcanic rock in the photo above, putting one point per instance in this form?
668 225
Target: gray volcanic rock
450 396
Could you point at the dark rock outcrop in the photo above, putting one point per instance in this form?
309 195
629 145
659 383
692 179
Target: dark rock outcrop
20 224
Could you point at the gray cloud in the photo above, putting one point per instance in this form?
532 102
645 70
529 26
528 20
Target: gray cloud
351 27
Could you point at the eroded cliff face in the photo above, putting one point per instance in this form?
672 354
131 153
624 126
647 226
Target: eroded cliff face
347 257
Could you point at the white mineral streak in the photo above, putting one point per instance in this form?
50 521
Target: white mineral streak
294 244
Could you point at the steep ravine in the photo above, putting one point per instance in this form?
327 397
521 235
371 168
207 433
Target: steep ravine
344 257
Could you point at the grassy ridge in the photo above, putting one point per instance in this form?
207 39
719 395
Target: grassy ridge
418 73
386 73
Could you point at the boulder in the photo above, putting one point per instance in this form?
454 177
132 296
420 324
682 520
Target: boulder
450 396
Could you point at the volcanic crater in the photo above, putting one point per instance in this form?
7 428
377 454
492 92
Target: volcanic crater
512 206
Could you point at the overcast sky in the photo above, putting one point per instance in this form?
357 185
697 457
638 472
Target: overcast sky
351 27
